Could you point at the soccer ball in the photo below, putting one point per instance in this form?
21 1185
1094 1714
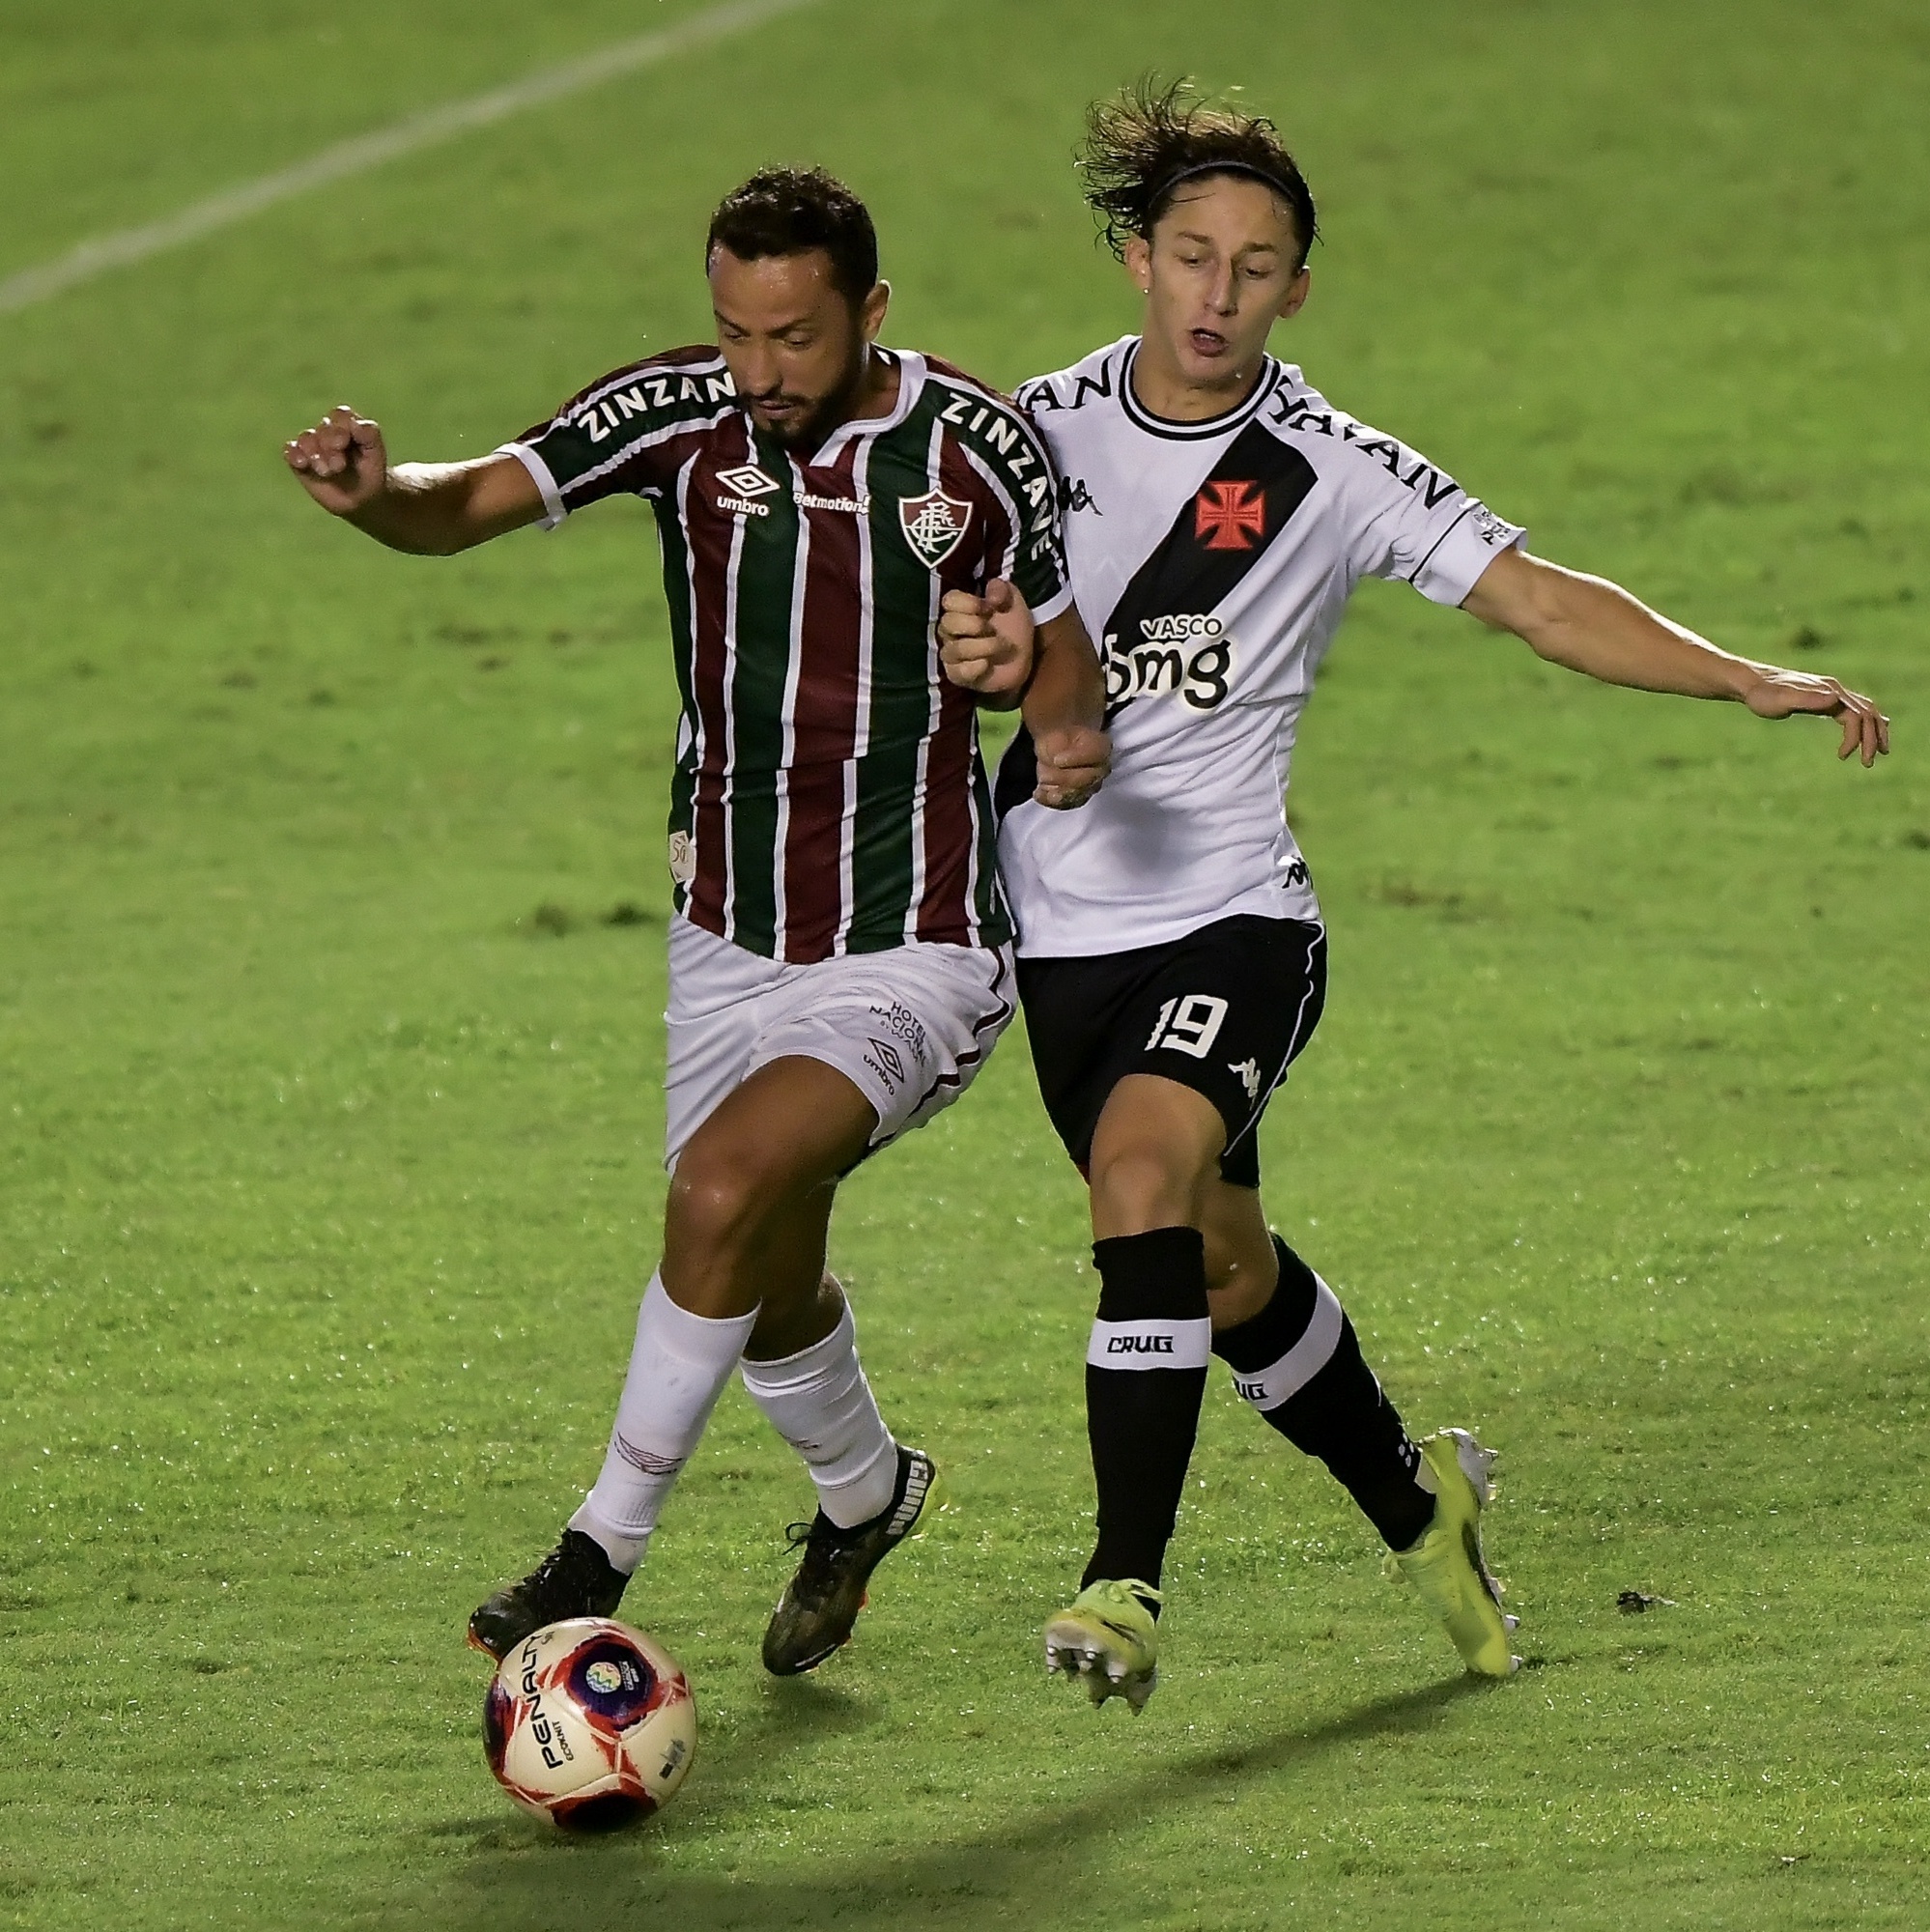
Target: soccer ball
589 1723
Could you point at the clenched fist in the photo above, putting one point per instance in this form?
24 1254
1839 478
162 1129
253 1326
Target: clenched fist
341 461
1073 761
985 642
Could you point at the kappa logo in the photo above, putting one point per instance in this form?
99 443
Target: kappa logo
933 524
1230 516
1249 1076
1073 495
748 480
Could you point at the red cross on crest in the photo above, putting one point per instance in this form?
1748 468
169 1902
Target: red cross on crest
1230 516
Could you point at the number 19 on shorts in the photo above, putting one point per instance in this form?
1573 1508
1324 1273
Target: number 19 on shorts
1189 1023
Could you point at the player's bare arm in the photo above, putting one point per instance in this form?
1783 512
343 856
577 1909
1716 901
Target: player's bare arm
1065 710
1596 627
427 509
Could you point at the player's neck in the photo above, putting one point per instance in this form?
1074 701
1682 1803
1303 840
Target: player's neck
1162 389
874 392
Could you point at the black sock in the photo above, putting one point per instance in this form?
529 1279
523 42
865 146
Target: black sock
1298 1362
1145 1373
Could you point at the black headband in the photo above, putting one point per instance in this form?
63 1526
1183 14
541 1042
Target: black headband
1171 181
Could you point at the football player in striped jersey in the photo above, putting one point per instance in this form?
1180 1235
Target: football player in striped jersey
1172 954
841 954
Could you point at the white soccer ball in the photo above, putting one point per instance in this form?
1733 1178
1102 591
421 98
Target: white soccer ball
589 1723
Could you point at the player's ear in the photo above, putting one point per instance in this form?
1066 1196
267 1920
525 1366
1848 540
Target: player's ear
1297 291
872 312
1139 263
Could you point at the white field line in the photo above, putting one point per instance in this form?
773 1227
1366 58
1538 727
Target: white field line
386 144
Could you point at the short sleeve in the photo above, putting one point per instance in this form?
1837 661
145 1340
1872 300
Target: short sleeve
626 434
1008 454
1419 526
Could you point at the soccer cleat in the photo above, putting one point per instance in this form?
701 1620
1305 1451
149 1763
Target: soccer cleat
575 1579
821 1601
1446 1565
1107 1637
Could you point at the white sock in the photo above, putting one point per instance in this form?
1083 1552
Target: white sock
819 1402
679 1367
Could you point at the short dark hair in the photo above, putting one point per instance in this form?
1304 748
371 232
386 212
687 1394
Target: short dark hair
1145 140
792 211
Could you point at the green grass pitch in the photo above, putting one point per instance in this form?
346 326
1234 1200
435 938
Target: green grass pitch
329 1105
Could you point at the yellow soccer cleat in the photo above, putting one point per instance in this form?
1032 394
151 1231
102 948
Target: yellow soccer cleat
1446 1565
1107 1638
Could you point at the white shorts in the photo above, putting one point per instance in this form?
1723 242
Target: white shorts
908 1028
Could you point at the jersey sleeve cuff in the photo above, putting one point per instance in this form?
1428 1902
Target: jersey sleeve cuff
1055 606
1456 563
554 508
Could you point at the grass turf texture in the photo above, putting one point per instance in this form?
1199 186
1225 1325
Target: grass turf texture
329 1087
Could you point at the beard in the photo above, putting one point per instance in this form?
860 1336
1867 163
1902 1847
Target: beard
817 419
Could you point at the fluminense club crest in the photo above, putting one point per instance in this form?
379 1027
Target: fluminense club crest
933 524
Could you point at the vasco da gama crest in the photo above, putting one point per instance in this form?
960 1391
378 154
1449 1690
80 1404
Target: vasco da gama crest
933 524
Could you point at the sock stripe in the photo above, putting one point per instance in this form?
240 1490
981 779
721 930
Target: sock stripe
1302 1362
1150 1344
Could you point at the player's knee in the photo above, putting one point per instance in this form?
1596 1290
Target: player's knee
1140 1183
718 1197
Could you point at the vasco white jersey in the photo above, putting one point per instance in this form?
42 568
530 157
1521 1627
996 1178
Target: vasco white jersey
1211 562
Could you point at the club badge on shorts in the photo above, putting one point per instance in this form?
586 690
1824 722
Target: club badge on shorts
933 524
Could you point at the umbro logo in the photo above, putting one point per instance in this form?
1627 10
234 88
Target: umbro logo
748 480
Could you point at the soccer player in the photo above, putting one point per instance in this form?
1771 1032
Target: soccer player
841 954
1172 954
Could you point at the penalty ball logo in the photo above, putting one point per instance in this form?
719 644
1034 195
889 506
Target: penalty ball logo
933 524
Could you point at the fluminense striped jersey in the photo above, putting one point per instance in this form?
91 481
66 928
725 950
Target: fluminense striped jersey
828 795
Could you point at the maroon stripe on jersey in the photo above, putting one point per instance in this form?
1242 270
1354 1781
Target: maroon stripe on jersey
945 907
710 541
824 715
946 904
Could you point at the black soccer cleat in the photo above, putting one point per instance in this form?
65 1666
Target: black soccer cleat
575 1579
821 1603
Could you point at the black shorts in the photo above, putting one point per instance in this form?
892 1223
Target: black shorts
1223 1011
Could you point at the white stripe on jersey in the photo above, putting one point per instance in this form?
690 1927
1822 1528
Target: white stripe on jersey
787 713
1212 562
916 902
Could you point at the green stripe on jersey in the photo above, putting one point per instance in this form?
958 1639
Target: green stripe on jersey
766 573
883 856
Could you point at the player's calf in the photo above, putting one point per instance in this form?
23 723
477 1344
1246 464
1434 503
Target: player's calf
1297 1363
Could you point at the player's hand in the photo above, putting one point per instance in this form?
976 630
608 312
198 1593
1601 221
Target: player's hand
1073 761
1782 694
341 461
985 642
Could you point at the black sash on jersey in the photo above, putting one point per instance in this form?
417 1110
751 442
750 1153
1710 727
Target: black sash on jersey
1246 499
1245 503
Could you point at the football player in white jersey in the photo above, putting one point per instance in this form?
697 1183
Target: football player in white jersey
1219 512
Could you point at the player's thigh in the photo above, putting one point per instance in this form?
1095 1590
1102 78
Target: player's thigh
908 1028
1155 1146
